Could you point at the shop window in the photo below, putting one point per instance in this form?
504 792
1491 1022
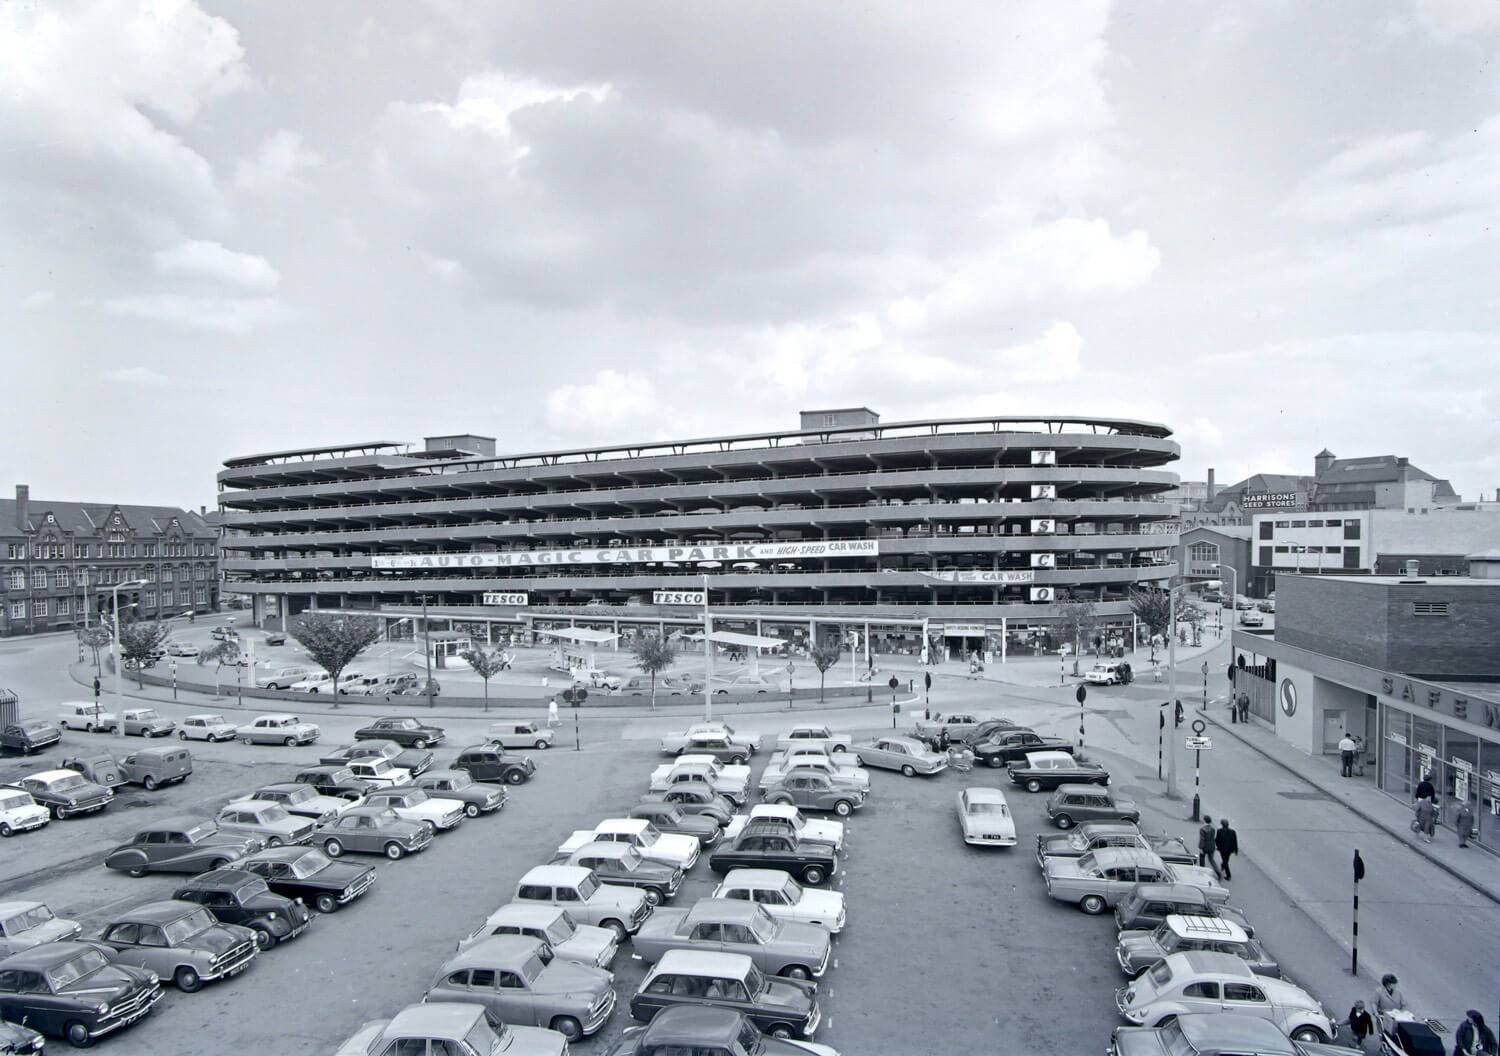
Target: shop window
1351 557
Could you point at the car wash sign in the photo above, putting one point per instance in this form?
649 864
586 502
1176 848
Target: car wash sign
983 575
633 555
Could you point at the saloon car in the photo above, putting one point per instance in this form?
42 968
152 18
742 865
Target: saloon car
16 1040
680 852
450 1027
778 947
308 876
782 897
814 789
24 924
621 865
763 845
372 830
1135 951
953 726
1071 804
1185 983
376 771
1217 1034
578 890
102 768
283 677
668 817
797 823
235 896
277 729
1009 746
781 1007
271 823
336 782
555 926
414 804
141 722
984 818
90 717
1147 905
65 793
489 762
519 735
19 812
211 727
180 941
677 743
477 797
70 990
695 797
180 845
1043 770
1094 834
28 735
1099 879
732 782
300 800
809 734
906 754
404 730
521 981
707 1031
843 767
413 760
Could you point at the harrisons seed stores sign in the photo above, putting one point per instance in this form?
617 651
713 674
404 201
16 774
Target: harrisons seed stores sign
634 554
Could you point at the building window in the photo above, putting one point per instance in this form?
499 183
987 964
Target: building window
39 579
39 607
150 599
64 606
17 579
1204 553
1351 529
200 596
1265 555
150 550
80 550
1351 557
1265 529
1429 608
182 597
1281 549
15 551
18 610
61 578
1299 524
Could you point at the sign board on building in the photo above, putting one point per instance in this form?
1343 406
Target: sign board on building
963 630
1159 528
1273 500
678 597
621 555
983 575
1044 560
1043 526
1042 595
1044 458
1044 491
493 598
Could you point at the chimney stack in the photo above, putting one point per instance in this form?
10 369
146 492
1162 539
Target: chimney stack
1321 462
23 506
1411 568
1208 491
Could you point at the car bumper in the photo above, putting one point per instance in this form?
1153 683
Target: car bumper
991 839
354 890
126 1012
812 1022
599 1016
29 821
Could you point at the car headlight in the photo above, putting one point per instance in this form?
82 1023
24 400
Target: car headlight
273 915
100 1008
153 978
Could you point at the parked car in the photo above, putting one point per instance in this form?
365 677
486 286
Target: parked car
906 754
283 677
69 990
101 768
180 845
782 897
141 722
28 735
89 717
401 729
843 769
211 727
275 638
787 816
668 817
308 876
180 941
66 792
677 685
488 762
414 804
722 748
152 768
1094 834
581 943
786 948
412 760
621 865
730 781
1217 1034
378 772
477 797
278 729
372 830
709 1031
620 909
1266 605
450 1027
1108 673
358 685
1186 983
765 845
984 818
416 687
1251 618
811 734
299 800
185 649
235 896
952 726
1147 905
16 1039
519 735
19 812
695 797
677 743
745 683
680 852
1008 746
24 924
1242 603
1043 770
813 789
312 682
984 730
781 1007
1138 950
336 782
1098 880
519 980
1071 804
225 633
268 822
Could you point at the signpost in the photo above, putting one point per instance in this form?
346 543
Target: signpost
1080 696
895 708
791 691
174 679
575 696
1359 874
1199 744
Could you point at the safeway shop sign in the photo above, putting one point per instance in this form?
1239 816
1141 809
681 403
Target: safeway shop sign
634 554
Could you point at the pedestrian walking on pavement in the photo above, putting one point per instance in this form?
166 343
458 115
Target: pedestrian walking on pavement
1243 704
1206 844
1360 1024
1347 748
1228 844
1463 820
552 712
1427 813
1473 1037
1424 789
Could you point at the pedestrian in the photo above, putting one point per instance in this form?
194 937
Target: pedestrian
1463 820
1473 1038
1424 789
1426 819
1206 844
1347 748
1228 843
1361 1025
552 712
1244 707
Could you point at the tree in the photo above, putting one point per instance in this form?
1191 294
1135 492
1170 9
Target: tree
224 652
95 638
487 663
1077 622
140 644
334 639
823 657
652 655
1153 607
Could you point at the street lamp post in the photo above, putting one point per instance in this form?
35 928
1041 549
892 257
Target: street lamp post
115 649
708 656
1234 582
1172 686
426 651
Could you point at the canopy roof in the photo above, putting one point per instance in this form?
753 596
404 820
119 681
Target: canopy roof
758 641
581 634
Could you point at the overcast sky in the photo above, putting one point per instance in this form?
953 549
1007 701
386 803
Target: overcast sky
237 227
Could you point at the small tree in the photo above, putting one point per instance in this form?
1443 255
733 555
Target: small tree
1152 607
141 642
652 655
824 656
95 638
224 652
487 663
1077 622
334 639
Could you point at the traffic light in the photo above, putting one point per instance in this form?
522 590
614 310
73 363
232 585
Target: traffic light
1177 718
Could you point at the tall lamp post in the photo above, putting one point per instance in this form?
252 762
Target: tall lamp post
1172 684
1234 582
115 650
426 650
708 656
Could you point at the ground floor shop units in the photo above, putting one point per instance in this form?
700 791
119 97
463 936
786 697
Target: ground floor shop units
1448 732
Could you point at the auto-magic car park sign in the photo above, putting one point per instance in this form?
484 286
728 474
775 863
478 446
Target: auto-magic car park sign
631 554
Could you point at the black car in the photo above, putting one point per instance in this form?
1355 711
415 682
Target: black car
403 729
668 817
336 781
235 896
770 846
310 877
488 762
986 729
1012 745
275 638
30 735
69 990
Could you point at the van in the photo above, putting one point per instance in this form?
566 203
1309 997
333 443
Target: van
151 767
99 767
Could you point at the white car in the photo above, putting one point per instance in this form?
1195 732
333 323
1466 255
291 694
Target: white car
746 683
800 735
581 943
805 828
358 685
677 743
277 729
731 781
317 682
1201 981
19 812
985 818
301 800
784 898
269 822
206 728
519 735
414 804
186 649
649 841
79 715
1107 673
282 677
844 766
376 770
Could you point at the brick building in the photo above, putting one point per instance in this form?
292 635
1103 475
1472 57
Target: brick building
58 561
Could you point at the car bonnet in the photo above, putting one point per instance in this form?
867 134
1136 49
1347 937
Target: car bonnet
570 977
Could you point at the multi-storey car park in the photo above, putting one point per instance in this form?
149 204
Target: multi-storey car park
955 535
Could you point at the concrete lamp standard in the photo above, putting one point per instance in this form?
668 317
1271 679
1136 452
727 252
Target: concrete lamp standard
1234 584
115 650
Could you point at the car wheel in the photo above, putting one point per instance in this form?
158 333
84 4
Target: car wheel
264 940
77 1034
325 903
1063 821
1093 905
813 874
1309 1034
471 810
333 848
187 980
515 777
736 760
148 783
182 735
1033 785
653 896
244 740
430 826
843 808
780 1030
994 761
394 851
273 841
796 971
568 1027
88 727
619 929
58 813
289 741
907 770
541 745
6 830
218 863
841 747
778 797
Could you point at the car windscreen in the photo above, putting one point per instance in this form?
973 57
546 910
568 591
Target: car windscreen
184 928
560 930
763 925
987 808
67 784
587 886
27 919
75 968
14 800
199 833
309 864
271 815
147 716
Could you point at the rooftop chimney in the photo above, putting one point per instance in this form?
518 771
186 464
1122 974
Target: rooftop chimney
23 506
1321 461
1411 568
1208 489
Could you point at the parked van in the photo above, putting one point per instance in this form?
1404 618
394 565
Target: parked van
99 767
151 767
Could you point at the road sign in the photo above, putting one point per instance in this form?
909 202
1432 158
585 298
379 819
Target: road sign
1199 726
1081 695
1198 744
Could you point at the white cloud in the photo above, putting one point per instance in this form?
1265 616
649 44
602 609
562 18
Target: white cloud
610 400
277 166
209 260
137 376
443 268
39 299
231 315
